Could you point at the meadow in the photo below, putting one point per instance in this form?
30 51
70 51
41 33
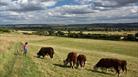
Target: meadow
14 64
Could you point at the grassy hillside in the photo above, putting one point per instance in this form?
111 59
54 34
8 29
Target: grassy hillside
13 65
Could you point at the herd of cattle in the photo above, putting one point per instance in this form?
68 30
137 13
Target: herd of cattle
80 60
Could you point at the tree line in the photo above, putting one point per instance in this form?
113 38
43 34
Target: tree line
80 34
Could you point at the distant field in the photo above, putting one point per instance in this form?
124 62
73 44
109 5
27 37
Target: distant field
106 32
92 32
13 65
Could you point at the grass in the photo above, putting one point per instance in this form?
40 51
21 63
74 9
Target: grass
121 47
29 66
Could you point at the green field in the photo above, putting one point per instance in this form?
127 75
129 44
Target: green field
13 65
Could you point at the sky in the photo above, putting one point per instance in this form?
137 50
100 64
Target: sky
68 11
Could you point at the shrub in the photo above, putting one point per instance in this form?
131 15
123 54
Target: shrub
4 30
60 33
136 36
45 33
130 37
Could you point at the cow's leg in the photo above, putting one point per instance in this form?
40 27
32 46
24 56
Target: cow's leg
74 63
112 70
77 64
117 70
84 64
71 64
125 69
81 63
103 69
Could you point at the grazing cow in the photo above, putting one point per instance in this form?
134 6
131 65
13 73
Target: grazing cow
105 63
81 59
46 51
71 58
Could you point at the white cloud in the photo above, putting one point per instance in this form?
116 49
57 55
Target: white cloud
49 3
85 11
134 9
73 10
14 13
27 5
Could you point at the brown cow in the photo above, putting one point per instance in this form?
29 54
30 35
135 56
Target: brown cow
46 51
71 58
81 59
105 63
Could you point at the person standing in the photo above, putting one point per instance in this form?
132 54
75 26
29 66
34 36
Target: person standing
25 48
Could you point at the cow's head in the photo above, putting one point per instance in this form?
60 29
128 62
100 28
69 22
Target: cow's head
51 56
95 67
38 55
65 62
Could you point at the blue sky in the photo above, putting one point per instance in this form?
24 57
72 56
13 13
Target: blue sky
68 11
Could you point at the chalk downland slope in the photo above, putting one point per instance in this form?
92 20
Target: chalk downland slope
18 65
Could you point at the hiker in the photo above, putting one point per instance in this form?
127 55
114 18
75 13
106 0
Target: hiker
25 48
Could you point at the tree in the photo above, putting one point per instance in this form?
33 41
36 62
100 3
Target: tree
60 33
136 36
51 32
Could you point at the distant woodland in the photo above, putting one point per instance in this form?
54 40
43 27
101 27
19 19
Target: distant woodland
106 31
